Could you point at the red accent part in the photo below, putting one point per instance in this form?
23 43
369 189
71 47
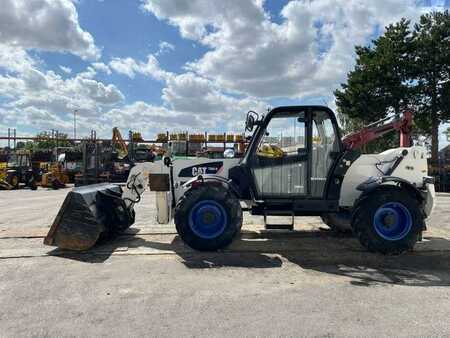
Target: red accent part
378 129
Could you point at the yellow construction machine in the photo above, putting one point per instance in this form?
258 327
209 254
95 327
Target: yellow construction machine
18 170
119 144
4 176
55 178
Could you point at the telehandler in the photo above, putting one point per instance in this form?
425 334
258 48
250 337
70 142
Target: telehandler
296 164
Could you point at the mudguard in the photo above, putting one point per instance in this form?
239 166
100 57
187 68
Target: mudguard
374 182
211 179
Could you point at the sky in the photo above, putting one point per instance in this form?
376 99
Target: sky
195 65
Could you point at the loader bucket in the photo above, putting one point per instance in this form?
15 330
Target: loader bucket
88 214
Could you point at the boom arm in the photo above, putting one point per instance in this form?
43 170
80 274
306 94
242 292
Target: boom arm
117 139
378 129
137 182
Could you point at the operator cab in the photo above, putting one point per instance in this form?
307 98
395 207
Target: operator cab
290 159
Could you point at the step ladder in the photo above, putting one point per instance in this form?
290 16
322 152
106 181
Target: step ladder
274 226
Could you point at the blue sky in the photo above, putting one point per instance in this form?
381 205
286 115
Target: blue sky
154 65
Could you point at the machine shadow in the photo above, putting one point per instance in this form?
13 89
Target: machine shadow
330 253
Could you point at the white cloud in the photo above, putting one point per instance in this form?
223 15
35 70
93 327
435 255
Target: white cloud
43 99
66 70
14 59
190 93
309 53
45 25
130 67
101 67
157 118
165 47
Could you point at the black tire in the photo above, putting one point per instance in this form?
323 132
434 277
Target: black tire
365 228
13 180
339 222
224 200
32 183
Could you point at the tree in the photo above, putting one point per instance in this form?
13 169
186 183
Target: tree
48 141
432 73
378 84
405 68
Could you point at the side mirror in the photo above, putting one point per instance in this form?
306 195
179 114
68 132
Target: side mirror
167 161
229 153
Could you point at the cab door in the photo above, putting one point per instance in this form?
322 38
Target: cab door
280 162
325 150
294 155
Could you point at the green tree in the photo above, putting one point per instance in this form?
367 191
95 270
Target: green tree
432 74
379 83
49 141
403 69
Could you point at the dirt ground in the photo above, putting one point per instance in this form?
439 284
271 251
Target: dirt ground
308 282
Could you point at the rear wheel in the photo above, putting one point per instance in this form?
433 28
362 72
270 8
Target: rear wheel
208 217
388 220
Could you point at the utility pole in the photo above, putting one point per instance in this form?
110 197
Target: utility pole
75 123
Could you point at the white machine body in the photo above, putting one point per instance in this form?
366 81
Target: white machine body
413 168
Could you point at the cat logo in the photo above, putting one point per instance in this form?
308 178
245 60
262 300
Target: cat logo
208 168
199 171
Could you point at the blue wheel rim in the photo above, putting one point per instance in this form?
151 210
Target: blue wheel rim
207 219
392 221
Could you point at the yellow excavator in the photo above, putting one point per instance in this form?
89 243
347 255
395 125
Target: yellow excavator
55 178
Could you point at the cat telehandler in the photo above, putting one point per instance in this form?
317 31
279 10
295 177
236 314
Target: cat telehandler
296 164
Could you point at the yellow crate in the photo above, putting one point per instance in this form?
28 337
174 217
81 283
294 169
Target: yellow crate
196 137
239 138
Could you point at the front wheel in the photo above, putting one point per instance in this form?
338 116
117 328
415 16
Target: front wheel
13 180
208 217
388 220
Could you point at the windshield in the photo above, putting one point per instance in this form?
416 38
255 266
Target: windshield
13 161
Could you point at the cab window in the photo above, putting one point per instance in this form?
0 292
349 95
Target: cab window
284 136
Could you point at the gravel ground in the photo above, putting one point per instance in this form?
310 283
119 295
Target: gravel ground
305 283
